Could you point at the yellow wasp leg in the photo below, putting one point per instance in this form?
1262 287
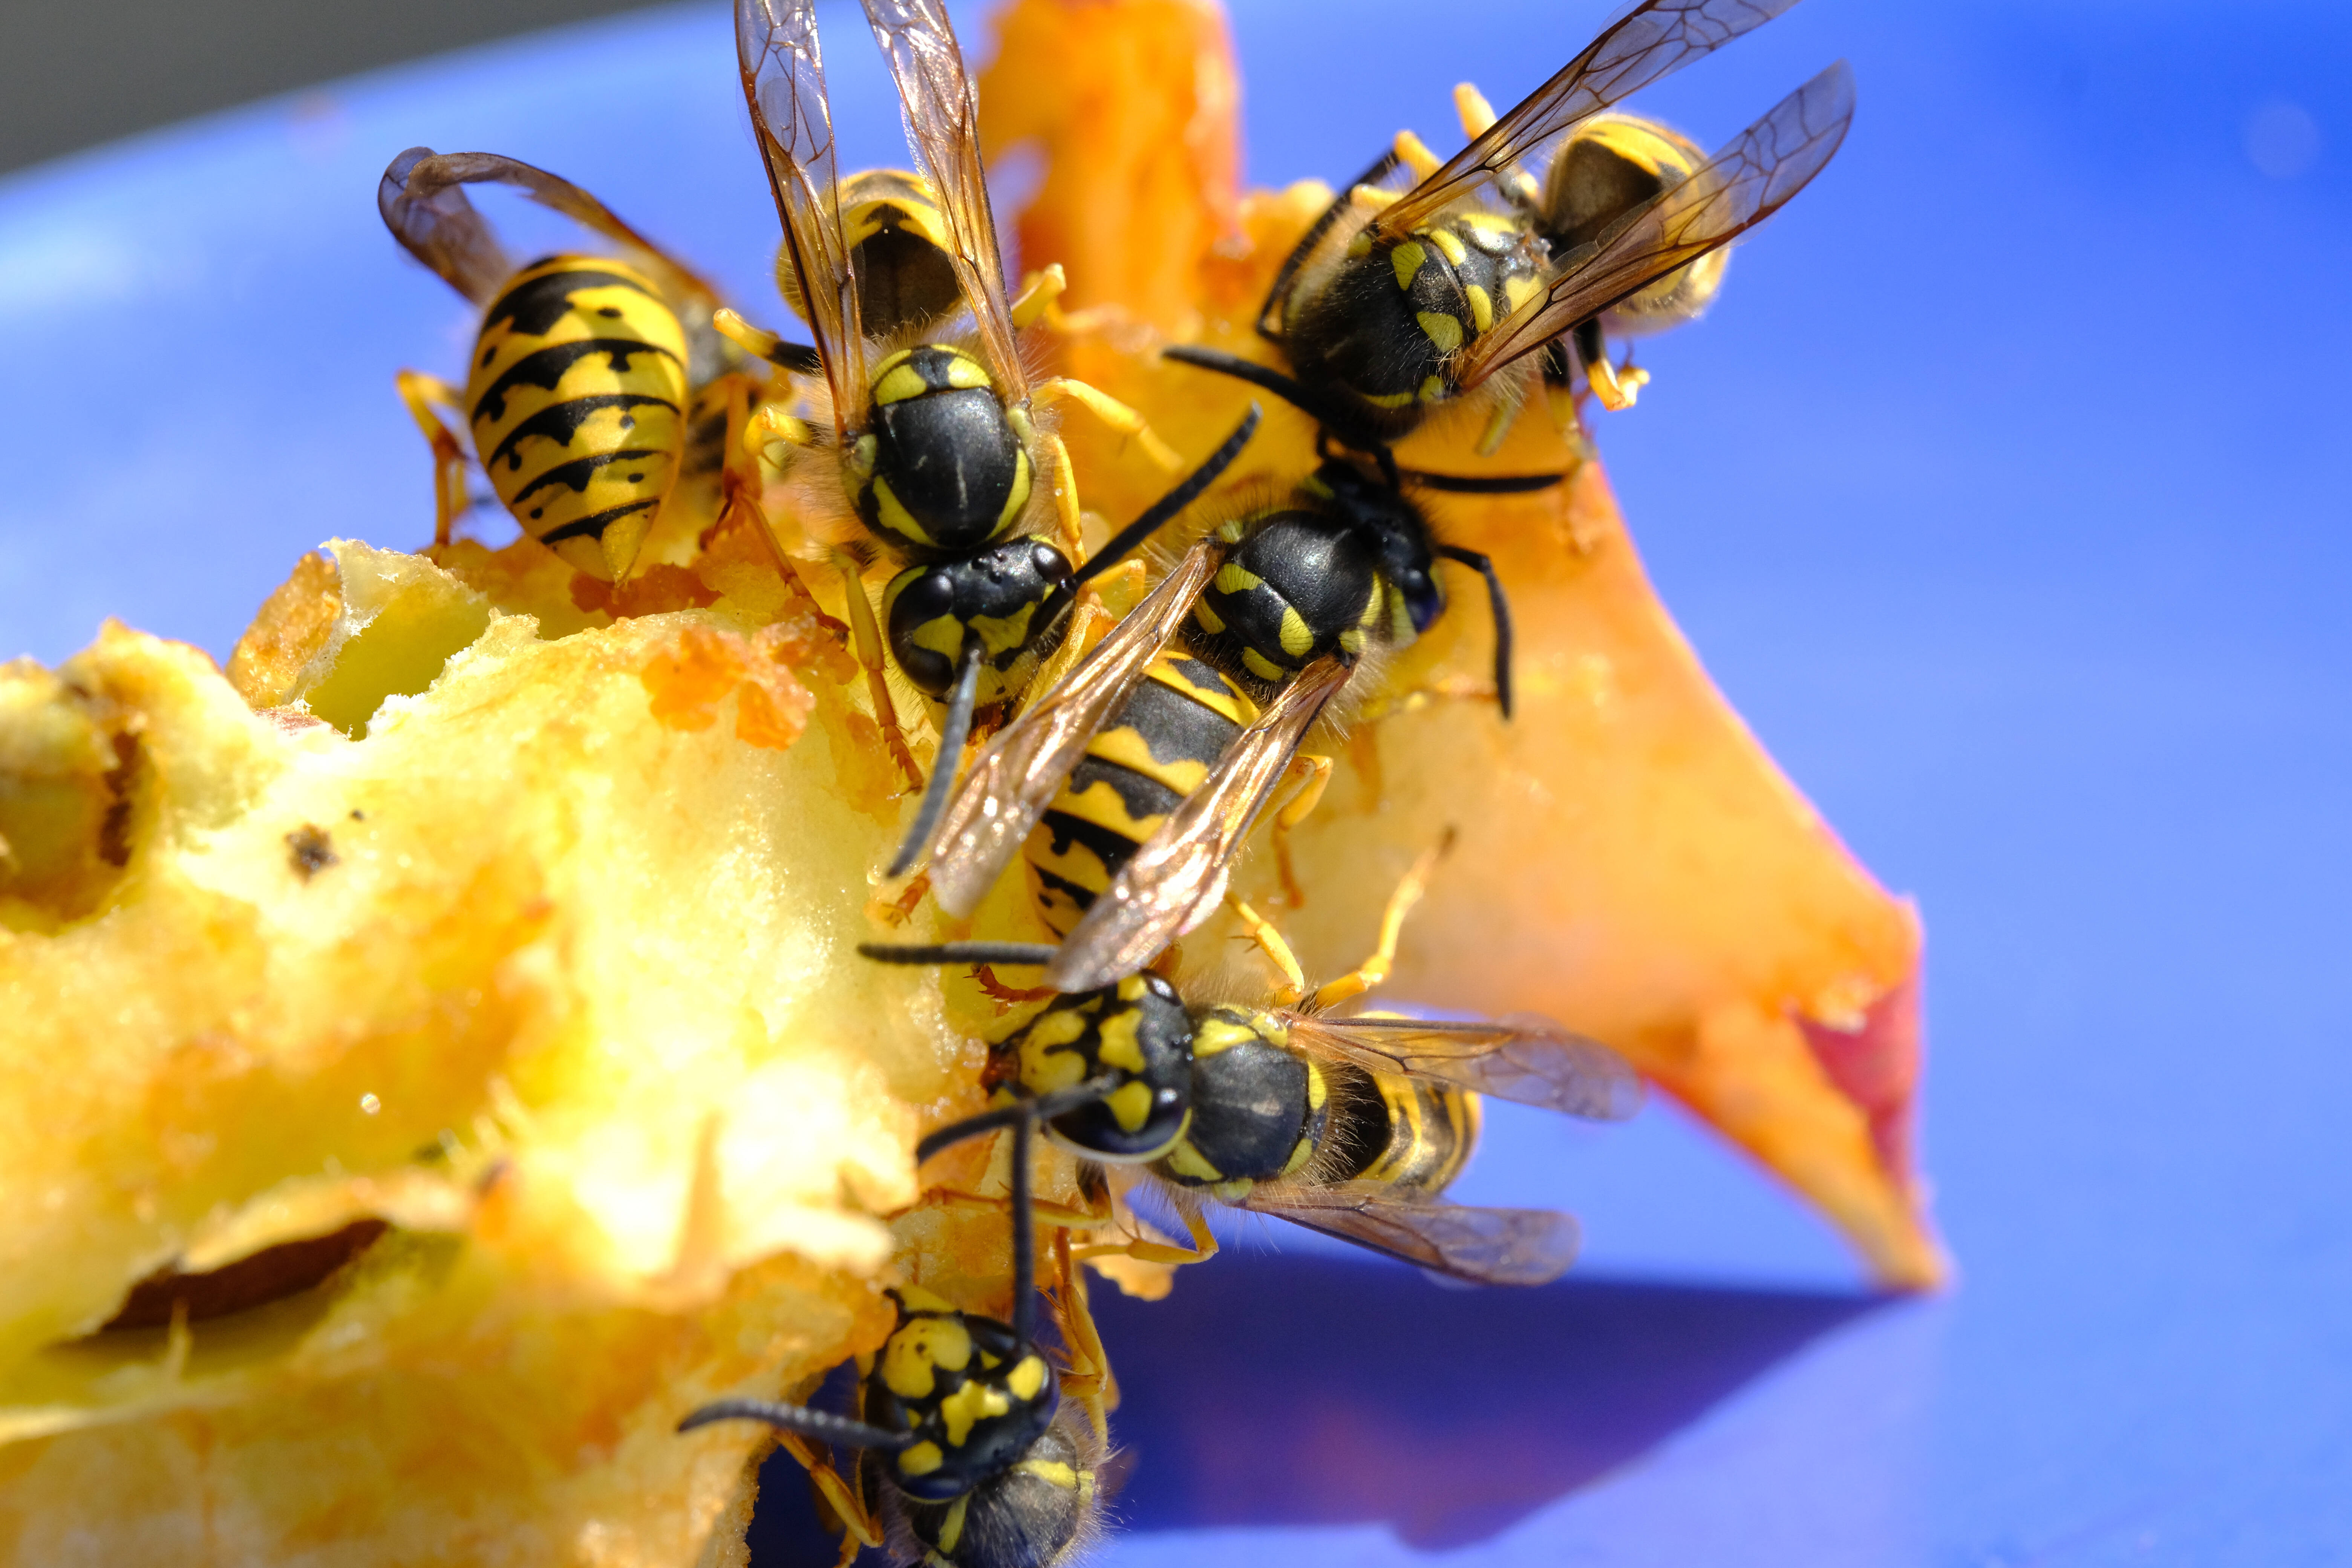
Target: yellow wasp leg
1089 1379
1046 1213
1115 416
1375 969
1039 290
1414 154
1477 118
1269 941
1498 426
738 489
859 1528
1317 772
421 392
1062 475
1616 388
1203 1247
870 654
757 341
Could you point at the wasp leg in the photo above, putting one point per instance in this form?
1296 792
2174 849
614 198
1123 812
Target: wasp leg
748 430
1477 118
421 392
858 1527
1616 390
1089 1378
1317 772
1116 415
1062 475
868 638
1414 154
1278 952
1039 290
1047 1213
1203 1247
1375 969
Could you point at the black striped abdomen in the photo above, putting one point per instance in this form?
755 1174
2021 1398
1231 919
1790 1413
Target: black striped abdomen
576 397
1431 1130
1158 750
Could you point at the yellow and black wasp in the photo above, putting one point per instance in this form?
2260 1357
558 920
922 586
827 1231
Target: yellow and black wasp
1351 1126
1391 306
970 1448
1132 784
579 393
946 459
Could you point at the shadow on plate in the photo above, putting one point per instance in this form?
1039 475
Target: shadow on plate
1310 1391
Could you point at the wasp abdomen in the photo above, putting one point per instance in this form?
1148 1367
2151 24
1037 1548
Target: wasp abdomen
575 401
1138 769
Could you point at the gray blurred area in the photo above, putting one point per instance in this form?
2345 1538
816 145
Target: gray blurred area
74 73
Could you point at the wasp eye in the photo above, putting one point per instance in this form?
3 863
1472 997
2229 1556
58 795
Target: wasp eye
1422 600
930 596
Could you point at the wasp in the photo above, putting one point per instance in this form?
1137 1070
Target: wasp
1132 781
579 392
1394 306
969 1443
1350 1126
947 459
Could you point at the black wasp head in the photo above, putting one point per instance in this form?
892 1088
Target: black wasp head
1137 1037
973 1398
1012 597
1384 513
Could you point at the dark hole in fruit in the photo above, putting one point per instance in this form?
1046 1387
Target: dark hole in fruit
269 1275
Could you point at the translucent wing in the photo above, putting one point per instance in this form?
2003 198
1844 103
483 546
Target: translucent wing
1527 1059
424 206
1737 189
1484 1247
1650 41
1177 878
783 81
1016 778
943 126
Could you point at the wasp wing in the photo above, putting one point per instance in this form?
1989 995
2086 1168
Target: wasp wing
1016 778
783 81
942 115
1527 1059
1484 1246
427 203
1650 41
1737 189
1176 878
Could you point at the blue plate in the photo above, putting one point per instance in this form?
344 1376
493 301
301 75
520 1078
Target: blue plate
2004 493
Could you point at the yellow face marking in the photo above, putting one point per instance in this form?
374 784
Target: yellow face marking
920 1460
942 636
1131 1105
968 1406
1297 637
1408 260
1025 1379
1263 668
899 383
919 1347
1449 245
1482 308
1117 1045
1001 634
894 516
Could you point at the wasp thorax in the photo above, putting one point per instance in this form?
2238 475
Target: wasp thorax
1026 1518
1259 1106
1136 1033
1298 586
1013 597
974 1398
1383 331
945 471
1387 516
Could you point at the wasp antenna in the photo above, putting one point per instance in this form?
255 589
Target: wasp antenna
1289 389
1501 607
944 766
1030 954
1126 541
822 1425
1025 1238
1483 484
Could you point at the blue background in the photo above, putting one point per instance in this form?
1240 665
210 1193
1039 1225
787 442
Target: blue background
2004 495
